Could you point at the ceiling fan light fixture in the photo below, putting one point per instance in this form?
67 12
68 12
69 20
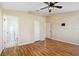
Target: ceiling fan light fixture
50 7
50 10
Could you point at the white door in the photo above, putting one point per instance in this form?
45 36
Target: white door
48 30
10 31
37 30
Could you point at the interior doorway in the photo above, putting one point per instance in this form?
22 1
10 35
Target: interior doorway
49 30
10 31
37 29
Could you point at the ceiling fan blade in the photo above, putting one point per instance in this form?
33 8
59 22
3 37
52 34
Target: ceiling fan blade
44 8
58 6
46 3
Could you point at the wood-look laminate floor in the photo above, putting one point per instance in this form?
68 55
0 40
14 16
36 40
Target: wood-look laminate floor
47 47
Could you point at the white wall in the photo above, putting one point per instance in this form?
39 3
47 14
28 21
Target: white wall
43 27
69 33
0 30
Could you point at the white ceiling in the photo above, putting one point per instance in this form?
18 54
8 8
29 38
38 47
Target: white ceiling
33 6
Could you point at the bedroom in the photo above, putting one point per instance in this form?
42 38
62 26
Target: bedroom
33 31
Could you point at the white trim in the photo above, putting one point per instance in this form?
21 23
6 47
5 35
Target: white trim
66 41
42 39
19 44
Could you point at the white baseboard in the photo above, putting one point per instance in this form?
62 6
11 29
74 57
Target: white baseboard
66 41
19 44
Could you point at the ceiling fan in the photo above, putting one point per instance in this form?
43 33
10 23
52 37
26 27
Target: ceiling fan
51 5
